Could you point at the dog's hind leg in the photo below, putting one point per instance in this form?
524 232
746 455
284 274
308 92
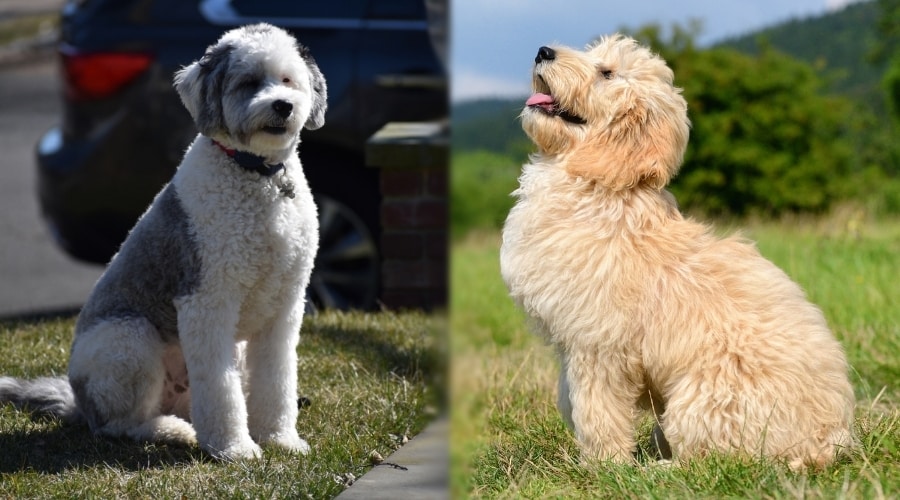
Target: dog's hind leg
563 401
117 373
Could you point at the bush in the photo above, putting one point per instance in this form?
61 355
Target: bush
763 138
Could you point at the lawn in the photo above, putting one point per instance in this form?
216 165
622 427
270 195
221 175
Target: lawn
372 379
509 441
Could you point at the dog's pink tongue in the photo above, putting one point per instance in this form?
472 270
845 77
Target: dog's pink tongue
539 99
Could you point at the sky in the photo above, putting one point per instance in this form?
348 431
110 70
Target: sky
494 41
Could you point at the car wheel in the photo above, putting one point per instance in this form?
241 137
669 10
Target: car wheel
346 272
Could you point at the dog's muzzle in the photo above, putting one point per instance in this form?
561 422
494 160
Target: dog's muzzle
545 103
544 54
283 110
543 99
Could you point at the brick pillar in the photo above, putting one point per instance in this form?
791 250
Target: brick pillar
413 159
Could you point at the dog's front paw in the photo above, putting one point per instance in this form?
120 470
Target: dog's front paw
289 440
243 450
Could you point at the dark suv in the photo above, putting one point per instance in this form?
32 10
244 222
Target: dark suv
124 129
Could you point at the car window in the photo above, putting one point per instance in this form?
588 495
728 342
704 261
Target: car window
397 9
342 9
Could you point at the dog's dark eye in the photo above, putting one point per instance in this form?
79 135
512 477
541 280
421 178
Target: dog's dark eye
285 80
607 73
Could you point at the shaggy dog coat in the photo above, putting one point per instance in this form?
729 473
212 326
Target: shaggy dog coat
648 309
191 333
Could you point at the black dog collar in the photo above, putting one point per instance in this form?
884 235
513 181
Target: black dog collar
255 163
250 161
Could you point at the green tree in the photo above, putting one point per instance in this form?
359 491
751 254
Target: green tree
888 155
887 49
764 138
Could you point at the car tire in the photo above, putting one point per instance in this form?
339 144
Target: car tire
347 267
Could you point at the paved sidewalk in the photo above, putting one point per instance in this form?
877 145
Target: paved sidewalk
426 476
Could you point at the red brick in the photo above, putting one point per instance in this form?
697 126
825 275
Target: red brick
405 245
421 214
436 245
401 299
431 214
415 299
436 182
437 297
437 273
398 214
402 183
413 274
403 274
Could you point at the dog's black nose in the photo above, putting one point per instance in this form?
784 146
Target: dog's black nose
545 54
283 108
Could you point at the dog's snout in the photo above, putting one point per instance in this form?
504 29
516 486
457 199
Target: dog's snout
283 108
545 54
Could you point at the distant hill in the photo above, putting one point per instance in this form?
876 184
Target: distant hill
483 108
490 124
838 45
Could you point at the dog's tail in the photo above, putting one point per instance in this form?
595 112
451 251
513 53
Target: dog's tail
50 396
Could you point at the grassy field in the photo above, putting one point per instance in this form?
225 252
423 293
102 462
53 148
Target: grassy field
373 380
509 441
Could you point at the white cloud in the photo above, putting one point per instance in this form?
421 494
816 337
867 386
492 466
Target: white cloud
833 5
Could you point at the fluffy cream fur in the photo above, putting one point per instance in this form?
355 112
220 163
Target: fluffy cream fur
648 309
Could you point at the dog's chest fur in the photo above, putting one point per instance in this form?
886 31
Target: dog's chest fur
218 233
557 229
581 236
254 241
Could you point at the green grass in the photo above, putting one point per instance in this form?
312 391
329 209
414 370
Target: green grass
509 441
372 379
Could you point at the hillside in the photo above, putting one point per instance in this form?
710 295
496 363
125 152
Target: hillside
490 124
838 45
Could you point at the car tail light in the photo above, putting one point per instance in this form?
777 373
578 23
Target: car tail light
95 75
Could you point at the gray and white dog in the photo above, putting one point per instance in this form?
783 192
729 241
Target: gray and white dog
197 318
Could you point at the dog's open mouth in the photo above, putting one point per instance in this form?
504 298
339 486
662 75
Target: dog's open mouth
275 130
548 105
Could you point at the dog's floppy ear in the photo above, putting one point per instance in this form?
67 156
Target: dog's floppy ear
320 92
200 86
643 146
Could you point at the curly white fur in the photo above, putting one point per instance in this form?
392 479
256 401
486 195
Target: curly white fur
191 333
648 309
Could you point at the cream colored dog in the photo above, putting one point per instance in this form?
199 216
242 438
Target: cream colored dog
647 308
